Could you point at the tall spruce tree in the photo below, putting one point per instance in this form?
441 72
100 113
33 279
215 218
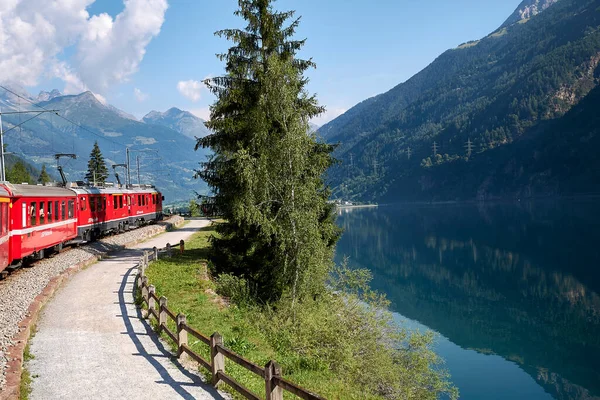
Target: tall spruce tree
266 171
44 177
97 171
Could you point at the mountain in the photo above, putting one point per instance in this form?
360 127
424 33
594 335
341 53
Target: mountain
313 127
183 122
46 96
471 108
528 9
167 158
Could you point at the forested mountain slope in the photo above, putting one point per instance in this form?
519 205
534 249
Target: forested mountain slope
492 96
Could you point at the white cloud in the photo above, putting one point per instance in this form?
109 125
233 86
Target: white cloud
191 89
328 115
203 113
33 34
139 95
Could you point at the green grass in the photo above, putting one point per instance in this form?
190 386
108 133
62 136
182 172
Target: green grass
183 280
26 378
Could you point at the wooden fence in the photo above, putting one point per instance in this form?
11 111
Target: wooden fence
275 383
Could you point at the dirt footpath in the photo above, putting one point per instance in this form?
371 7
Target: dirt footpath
91 343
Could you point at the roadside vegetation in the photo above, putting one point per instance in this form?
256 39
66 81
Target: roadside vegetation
26 378
341 346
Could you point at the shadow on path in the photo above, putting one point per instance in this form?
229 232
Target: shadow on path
153 358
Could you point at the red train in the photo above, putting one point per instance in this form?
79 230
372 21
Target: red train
38 219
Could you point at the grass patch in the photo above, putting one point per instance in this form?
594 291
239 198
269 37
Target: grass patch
26 378
321 348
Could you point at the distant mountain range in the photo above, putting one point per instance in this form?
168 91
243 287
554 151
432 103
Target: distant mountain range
165 146
492 118
181 121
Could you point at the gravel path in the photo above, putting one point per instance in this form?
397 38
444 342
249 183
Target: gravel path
19 290
91 342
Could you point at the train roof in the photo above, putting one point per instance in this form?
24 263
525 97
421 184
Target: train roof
37 191
3 192
92 190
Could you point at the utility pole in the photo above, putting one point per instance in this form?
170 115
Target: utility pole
469 147
128 176
2 169
351 160
409 152
2 164
435 149
138 168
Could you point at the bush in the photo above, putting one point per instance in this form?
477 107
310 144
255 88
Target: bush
349 331
233 288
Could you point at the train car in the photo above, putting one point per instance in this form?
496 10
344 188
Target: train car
42 218
4 224
100 211
146 205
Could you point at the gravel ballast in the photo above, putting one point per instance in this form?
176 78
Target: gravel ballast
19 290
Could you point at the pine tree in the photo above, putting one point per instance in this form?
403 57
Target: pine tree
44 178
18 174
97 171
266 172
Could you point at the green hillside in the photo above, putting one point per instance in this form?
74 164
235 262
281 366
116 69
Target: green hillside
506 93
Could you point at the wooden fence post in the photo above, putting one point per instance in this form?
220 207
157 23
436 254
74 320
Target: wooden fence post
145 258
155 250
151 301
217 359
273 392
181 246
145 288
182 335
140 276
169 250
162 314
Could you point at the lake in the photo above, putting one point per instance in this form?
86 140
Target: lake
512 289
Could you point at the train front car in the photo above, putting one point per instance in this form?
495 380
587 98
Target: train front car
42 219
4 231
101 211
146 205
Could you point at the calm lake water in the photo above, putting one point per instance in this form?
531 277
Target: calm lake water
512 289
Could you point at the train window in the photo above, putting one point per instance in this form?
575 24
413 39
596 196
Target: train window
71 208
104 203
83 204
120 201
33 214
56 209
63 211
42 213
49 211
92 204
139 200
115 201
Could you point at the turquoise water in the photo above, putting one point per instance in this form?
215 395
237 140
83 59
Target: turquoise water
512 289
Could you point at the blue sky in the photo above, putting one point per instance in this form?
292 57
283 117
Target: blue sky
361 48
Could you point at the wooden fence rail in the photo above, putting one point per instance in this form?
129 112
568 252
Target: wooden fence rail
275 384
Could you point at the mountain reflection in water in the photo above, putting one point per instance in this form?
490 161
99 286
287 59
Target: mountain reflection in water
518 281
